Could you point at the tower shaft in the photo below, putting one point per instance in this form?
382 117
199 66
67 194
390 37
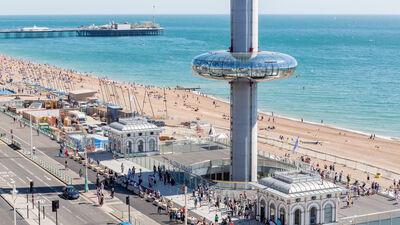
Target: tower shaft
244 26
243 66
244 130
244 39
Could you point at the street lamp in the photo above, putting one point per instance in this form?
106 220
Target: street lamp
14 193
258 208
186 211
30 123
86 163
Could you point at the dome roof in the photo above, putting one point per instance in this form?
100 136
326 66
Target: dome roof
133 125
294 182
224 65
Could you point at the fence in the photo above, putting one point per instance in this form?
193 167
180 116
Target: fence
38 157
181 175
193 145
384 218
365 167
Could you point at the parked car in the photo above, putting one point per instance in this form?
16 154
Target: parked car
69 192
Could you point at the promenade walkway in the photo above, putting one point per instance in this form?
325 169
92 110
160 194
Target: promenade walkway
207 210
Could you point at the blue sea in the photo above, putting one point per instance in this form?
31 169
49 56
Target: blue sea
348 74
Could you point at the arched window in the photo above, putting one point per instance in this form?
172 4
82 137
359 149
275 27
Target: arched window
129 147
313 216
119 147
282 215
328 213
272 212
262 211
140 146
297 217
152 145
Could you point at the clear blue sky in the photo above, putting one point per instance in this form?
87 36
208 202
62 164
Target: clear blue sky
8 7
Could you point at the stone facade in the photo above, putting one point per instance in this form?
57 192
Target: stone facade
298 198
130 137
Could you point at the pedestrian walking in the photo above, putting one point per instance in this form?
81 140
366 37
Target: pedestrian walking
112 192
216 218
80 173
122 168
101 199
66 164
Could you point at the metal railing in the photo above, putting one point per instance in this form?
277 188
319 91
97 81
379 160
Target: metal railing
357 165
384 218
193 145
180 175
38 157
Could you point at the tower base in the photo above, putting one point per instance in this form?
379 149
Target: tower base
244 130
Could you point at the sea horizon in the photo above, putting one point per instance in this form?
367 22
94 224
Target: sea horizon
201 14
346 76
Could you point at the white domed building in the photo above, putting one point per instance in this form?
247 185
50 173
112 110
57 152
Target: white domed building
132 137
298 198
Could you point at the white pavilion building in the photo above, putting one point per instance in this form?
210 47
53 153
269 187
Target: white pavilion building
133 136
298 198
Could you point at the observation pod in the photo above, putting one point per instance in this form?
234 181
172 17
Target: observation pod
243 66
261 66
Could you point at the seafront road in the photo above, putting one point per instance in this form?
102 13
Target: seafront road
19 170
51 149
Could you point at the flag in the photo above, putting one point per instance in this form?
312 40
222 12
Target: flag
212 131
296 145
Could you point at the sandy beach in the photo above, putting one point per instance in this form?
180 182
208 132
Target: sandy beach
324 144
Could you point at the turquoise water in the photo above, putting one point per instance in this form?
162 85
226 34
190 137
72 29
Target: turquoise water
348 71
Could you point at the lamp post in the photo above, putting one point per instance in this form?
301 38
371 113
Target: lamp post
185 193
30 123
258 209
14 193
86 163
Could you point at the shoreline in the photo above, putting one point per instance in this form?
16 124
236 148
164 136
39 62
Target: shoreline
386 137
183 106
266 113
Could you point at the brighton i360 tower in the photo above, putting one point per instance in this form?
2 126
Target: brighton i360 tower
243 66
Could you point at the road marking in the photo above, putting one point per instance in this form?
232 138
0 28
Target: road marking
23 181
67 209
5 168
42 181
48 178
44 197
23 167
30 172
79 218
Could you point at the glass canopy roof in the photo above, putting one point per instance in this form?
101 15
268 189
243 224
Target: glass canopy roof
224 65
